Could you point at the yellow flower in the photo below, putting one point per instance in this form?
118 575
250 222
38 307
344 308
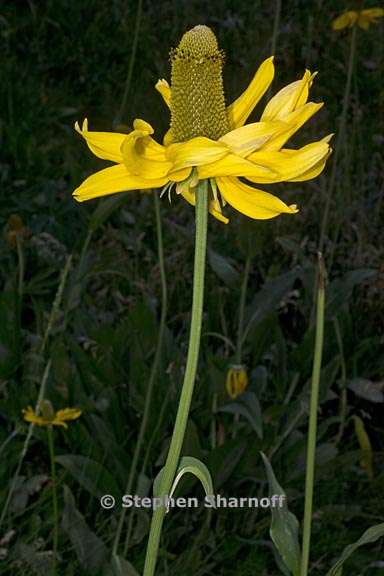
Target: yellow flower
237 381
208 140
363 18
49 417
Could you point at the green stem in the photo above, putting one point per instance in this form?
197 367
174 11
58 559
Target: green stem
20 256
276 25
152 377
170 468
340 138
312 428
54 499
243 298
131 62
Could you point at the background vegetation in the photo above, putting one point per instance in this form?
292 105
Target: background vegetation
80 296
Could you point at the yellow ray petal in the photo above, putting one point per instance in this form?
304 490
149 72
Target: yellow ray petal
105 145
373 13
364 21
241 108
164 88
295 120
111 180
233 165
245 140
195 152
68 414
347 19
288 98
292 164
142 155
254 203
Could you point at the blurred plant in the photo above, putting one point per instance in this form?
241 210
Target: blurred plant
50 418
237 380
361 18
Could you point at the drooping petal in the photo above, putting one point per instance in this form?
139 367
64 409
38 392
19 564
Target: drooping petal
292 164
111 180
254 203
245 140
105 145
295 120
68 414
195 152
373 12
233 165
241 108
347 19
164 88
142 155
288 98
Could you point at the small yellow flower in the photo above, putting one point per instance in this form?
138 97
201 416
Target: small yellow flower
237 380
49 417
209 140
363 18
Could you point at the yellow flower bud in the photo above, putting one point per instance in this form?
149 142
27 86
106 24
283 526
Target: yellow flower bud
237 380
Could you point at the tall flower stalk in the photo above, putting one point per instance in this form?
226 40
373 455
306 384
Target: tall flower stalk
312 426
170 468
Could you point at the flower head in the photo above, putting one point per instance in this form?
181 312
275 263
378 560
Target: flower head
209 140
49 417
363 18
237 380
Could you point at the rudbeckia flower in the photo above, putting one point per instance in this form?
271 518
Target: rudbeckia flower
363 18
237 380
49 417
208 140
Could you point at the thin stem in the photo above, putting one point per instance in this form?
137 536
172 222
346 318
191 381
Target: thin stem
343 390
312 428
340 138
243 298
20 256
131 62
276 25
170 468
54 499
152 377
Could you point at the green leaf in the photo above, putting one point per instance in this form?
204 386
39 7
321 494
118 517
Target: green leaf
90 550
224 269
246 405
372 391
284 530
121 567
269 297
105 209
90 474
187 465
340 290
369 536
